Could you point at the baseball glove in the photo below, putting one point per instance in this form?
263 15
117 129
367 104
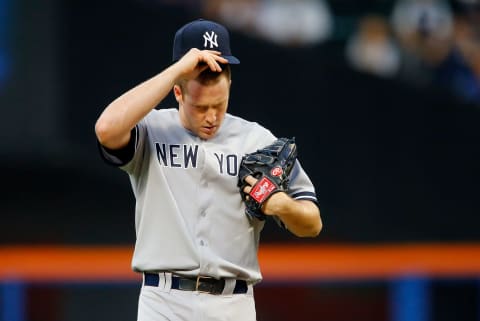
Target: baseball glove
271 165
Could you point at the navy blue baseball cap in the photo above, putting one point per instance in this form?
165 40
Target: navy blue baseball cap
204 35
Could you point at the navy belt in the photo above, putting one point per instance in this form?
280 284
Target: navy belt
200 284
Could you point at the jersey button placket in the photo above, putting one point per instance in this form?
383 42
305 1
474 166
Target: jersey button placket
202 227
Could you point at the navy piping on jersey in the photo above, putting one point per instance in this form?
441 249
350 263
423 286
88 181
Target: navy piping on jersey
306 196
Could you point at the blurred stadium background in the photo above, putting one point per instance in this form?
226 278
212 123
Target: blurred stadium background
382 96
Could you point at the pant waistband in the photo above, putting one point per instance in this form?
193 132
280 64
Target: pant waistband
200 283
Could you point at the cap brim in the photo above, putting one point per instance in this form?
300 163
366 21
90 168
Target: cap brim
232 60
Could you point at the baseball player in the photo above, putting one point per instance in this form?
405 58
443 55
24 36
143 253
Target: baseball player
196 248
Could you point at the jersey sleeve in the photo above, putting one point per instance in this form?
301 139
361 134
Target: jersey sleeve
128 158
301 187
121 156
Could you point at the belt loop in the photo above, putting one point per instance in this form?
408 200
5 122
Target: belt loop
229 287
161 280
168 281
197 283
249 289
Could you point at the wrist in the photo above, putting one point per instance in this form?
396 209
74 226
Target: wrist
278 204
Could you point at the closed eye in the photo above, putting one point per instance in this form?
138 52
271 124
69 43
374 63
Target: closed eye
201 108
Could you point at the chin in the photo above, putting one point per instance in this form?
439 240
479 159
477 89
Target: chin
206 137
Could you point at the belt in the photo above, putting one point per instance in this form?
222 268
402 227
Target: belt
200 283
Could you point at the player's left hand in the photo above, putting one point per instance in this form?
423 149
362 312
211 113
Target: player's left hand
273 203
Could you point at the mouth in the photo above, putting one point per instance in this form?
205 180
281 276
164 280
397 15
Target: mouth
209 129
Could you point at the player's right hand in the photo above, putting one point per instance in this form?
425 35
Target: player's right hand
195 61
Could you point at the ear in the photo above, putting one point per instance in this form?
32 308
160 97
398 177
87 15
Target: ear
177 91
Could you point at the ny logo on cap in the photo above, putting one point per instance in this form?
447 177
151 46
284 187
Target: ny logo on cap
212 38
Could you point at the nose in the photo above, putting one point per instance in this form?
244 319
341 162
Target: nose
211 116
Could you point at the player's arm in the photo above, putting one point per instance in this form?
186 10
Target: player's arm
301 217
113 127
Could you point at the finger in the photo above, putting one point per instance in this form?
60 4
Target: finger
217 55
207 60
214 65
217 61
250 180
247 189
213 59
221 60
213 52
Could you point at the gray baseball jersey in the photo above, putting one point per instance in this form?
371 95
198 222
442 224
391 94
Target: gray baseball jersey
190 218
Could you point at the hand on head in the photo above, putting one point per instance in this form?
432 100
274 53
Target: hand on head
196 61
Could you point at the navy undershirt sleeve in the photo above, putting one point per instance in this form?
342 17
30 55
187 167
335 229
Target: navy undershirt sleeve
121 156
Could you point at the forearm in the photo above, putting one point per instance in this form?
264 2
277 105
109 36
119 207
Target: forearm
301 217
117 120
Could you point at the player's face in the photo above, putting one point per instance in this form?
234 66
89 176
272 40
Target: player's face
202 108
